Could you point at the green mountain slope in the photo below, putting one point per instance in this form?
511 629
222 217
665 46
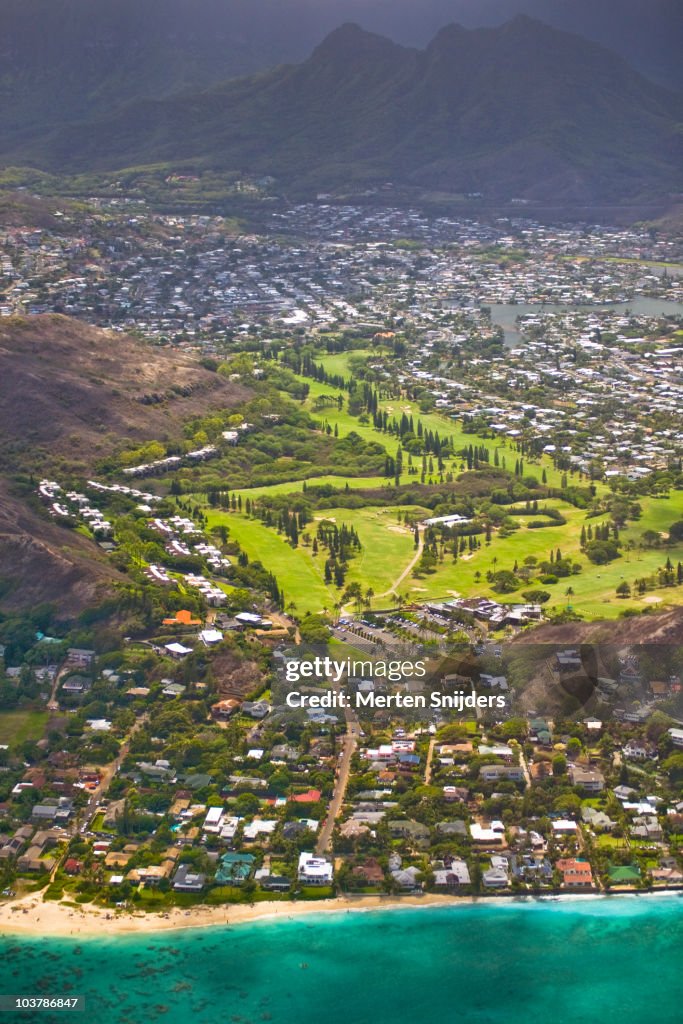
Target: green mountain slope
521 110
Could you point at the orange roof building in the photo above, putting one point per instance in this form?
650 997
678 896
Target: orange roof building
575 873
183 618
311 797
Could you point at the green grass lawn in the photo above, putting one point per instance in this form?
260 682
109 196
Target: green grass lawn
387 548
295 486
18 726
594 588
607 842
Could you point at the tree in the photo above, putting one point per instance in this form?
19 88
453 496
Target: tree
600 552
559 764
247 803
514 728
676 531
504 581
573 748
674 767
536 596
624 590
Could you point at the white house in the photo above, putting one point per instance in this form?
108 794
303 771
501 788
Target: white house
314 870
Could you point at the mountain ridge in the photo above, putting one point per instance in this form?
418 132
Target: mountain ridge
521 110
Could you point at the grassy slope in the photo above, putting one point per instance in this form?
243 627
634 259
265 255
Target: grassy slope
386 552
594 588
18 726
317 481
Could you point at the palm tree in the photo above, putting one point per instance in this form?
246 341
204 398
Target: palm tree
354 593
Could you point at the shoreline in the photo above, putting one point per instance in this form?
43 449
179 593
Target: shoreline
31 917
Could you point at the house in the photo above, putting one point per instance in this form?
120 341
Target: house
313 870
56 811
528 868
407 878
491 835
177 650
153 873
647 827
587 779
639 750
235 868
624 874
311 796
284 752
501 750
259 827
455 794
368 871
76 685
452 828
187 880
34 861
576 874
160 771
413 830
497 876
249 619
564 826
597 820
498 772
224 709
353 829
80 656
452 876
213 822
676 737
275 883
182 618
117 859
171 689
13 845
210 637
256 708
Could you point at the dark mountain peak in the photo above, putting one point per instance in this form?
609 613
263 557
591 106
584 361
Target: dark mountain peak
448 37
522 32
352 41
519 110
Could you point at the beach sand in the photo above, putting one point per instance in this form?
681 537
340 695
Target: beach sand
32 916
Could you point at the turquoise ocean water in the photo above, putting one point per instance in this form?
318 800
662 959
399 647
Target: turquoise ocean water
580 962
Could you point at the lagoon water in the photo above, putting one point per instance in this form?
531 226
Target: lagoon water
505 314
589 961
